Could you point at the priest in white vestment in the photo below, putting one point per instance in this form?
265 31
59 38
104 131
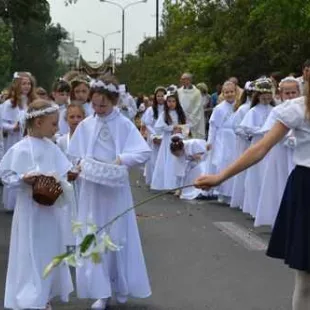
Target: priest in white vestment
190 99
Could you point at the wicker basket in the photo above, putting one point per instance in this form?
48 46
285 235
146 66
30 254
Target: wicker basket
46 190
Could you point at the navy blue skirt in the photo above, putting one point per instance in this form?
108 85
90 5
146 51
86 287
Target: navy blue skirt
290 239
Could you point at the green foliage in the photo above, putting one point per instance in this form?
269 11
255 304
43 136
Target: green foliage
215 39
5 54
34 39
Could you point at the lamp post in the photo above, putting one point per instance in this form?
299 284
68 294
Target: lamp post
123 8
157 19
103 37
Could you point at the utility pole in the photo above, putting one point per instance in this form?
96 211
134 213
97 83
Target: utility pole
157 19
113 52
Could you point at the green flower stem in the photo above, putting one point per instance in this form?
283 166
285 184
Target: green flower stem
139 204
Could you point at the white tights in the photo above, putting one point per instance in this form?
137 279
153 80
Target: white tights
301 296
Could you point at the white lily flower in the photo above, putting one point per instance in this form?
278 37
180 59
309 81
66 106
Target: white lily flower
91 228
109 243
77 227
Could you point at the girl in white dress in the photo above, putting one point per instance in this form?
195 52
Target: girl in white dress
148 120
61 95
80 92
190 163
222 139
278 162
110 143
242 143
170 122
251 124
22 92
36 236
74 115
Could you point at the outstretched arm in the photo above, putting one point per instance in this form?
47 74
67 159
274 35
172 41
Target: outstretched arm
249 158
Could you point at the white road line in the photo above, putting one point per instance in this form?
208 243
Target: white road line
243 236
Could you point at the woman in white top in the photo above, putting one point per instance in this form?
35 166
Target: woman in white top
290 239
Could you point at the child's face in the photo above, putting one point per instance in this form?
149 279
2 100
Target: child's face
289 90
171 103
61 97
229 93
178 153
81 92
101 104
74 117
47 125
265 98
160 97
25 85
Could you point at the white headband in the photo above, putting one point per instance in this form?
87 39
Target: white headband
289 79
52 109
17 76
99 84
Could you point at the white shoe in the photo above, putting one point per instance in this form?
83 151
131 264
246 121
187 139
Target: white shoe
121 299
100 304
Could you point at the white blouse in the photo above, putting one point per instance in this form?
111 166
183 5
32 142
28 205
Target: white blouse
292 115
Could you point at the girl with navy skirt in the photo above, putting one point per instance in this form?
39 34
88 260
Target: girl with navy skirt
290 239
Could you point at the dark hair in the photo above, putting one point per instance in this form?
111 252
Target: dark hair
60 85
278 76
176 144
155 103
178 109
255 100
112 96
306 64
244 97
77 81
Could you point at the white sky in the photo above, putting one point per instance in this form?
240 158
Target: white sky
105 18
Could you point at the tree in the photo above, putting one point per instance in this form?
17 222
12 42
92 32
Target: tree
35 39
5 54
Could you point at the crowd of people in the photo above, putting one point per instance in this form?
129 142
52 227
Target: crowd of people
88 132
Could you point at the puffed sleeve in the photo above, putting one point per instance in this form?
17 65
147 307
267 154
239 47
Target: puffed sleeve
292 113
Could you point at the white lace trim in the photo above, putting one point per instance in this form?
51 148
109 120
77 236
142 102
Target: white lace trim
104 173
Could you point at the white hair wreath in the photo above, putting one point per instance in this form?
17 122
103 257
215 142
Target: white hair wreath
99 84
52 109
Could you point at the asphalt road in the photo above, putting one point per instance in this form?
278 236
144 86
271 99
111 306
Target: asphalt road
200 255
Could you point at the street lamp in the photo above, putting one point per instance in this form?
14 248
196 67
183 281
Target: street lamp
103 37
123 8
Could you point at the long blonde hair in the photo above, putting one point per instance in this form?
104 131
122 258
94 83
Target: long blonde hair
15 89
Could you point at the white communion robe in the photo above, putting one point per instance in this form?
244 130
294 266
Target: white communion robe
223 140
36 236
88 108
164 177
122 272
189 169
253 121
242 143
70 210
190 100
63 127
278 166
149 121
129 103
10 116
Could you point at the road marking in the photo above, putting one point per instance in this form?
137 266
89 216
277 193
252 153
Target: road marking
242 236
